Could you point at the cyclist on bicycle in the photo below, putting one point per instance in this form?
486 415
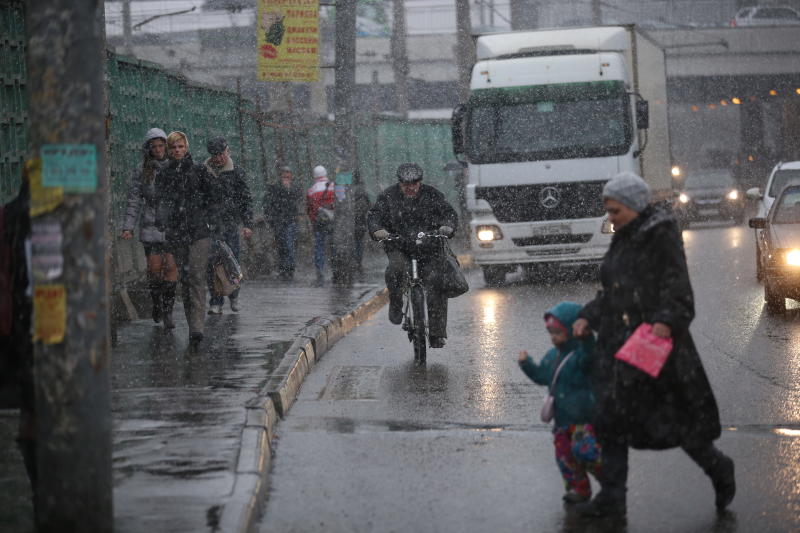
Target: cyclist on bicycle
406 209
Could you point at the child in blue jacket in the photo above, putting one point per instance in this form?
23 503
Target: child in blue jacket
577 450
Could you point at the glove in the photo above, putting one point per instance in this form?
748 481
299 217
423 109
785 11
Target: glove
381 234
447 231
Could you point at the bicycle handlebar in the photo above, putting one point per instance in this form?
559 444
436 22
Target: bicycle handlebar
421 235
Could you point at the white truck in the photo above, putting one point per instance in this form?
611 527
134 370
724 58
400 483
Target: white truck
552 116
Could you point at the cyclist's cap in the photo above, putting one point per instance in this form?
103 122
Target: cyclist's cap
409 173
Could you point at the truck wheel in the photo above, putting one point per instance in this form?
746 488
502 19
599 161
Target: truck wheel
775 302
494 275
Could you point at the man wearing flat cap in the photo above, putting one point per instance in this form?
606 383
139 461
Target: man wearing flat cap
235 208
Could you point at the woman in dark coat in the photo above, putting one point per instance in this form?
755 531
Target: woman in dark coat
645 279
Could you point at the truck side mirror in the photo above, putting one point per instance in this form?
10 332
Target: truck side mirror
457 126
642 114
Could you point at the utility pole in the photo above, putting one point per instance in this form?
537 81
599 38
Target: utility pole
597 13
345 141
465 48
126 27
524 14
66 57
400 58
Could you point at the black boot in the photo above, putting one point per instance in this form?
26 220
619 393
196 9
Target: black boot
719 467
155 294
611 500
168 302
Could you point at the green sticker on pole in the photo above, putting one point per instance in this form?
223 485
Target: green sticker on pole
344 178
72 166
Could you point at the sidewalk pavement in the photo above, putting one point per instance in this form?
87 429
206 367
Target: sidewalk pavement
193 428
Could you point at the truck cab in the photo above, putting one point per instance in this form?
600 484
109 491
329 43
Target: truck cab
552 116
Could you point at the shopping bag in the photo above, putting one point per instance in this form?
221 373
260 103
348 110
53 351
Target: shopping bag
227 271
645 351
223 284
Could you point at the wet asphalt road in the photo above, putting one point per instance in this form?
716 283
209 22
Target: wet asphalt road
374 444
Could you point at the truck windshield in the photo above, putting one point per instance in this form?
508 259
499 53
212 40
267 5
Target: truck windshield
560 121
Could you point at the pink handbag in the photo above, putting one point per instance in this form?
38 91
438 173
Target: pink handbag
645 351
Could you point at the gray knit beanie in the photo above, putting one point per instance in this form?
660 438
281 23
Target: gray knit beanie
628 189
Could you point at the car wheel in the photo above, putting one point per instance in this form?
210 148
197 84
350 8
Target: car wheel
776 302
759 267
494 275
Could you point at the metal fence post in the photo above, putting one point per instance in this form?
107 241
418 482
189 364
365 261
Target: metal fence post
66 60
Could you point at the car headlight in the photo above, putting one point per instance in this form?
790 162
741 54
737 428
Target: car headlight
793 257
733 195
488 233
683 198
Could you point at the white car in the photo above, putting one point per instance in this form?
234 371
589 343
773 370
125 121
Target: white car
781 174
765 16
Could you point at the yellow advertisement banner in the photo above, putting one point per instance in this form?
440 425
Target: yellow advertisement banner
288 40
49 313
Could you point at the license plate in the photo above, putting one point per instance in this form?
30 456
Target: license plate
552 229
707 212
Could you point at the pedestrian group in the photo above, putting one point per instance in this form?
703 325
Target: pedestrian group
190 213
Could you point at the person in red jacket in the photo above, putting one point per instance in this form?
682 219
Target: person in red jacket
319 205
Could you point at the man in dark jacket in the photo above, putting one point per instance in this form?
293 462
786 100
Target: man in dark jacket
188 212
645 280
235 211
406 209
281 201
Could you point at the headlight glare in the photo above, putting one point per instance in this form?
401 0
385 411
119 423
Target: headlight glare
488 233
683 198
733 195
793 257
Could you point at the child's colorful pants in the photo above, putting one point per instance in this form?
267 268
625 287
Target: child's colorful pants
577 454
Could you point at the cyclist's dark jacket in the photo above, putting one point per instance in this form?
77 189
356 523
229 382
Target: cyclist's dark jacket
408 216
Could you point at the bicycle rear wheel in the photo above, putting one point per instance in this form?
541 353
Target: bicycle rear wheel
418 326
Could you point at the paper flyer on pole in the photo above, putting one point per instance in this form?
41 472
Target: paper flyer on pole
288 40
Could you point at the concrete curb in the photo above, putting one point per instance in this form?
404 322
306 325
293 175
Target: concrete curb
242 509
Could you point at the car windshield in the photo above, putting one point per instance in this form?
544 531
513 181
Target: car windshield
775 13
781 178
549 122
702 179
787 209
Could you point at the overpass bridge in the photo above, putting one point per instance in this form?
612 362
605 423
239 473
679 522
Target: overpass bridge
733 91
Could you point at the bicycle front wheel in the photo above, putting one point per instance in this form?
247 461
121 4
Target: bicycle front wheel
418 326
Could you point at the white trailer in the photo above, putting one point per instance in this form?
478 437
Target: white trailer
552 116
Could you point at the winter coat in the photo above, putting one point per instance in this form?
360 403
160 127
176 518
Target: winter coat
142 202
236 203
574 399
645 279
280 203
189 202
395 213
318 195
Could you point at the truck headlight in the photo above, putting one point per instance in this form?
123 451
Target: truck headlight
733 195
683 198
488 233
793 257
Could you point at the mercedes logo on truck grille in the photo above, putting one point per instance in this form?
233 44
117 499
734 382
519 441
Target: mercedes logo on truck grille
549 197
